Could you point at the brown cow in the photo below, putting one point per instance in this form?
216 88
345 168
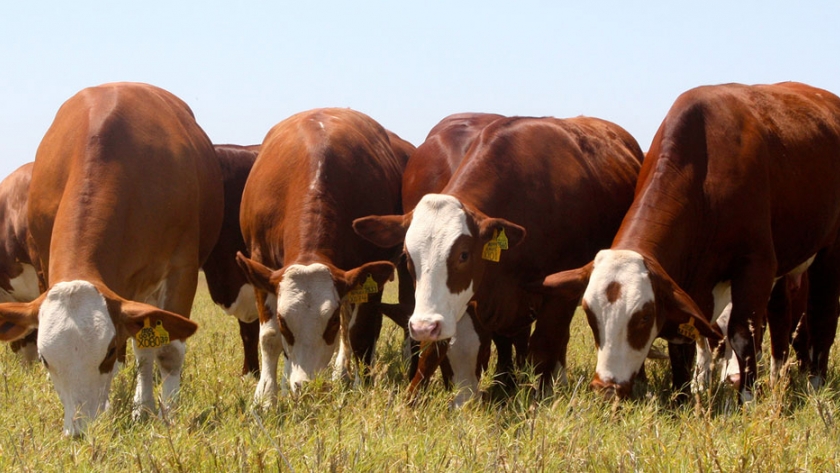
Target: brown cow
427 172
125 204
228 287
720 213
568 182
18 278
316 172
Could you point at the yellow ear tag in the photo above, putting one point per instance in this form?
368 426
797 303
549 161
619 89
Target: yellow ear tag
149 337
357 295
502 239
688 330
370 285
492 250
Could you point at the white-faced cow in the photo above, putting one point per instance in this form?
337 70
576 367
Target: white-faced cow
427 172
316 172
568 182
227 285
18 277
124 206
721 211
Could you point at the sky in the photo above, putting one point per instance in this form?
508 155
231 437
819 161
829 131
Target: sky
244 66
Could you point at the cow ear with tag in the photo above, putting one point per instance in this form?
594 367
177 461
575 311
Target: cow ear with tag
369 277
18 319
505 233
153 327
678 307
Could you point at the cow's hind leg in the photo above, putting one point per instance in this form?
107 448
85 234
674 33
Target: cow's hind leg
824 289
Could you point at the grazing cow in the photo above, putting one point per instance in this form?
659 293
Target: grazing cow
18 278
316 172
124 206
228 287
427 172
569 182
719 214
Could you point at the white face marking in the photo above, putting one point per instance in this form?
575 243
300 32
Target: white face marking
617 360
74 332
24 286
307 300
244 307
437 222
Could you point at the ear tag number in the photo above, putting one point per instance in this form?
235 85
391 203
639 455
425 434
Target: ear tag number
357 295
370 285
503 240
149 337
492 249
688 330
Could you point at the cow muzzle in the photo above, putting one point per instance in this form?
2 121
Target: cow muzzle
612 390
425 329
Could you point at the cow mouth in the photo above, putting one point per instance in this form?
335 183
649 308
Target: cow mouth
610 389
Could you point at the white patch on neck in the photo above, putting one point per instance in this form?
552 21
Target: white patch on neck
244 307
307 299
617 360
74 332
437 222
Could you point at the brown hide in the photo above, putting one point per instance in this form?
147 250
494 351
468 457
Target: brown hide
741 184
126 192
224 279
14 249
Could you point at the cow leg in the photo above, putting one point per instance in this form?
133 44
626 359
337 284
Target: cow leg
26 348
823 290
170 358
271 345
550 339
780 323
465 358
364 332
406 299
682 361
751 290
144 401
431 356
250 334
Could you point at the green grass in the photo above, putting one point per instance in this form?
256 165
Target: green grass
332 427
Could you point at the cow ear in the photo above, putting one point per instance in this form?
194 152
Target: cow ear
678 307
569 284
136 316
379 271
256 273
488 227
385 231
18 319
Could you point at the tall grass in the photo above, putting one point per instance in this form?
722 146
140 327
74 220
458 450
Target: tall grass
333 427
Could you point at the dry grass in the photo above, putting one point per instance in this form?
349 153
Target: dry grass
371 428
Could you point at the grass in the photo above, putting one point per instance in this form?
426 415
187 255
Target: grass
332 427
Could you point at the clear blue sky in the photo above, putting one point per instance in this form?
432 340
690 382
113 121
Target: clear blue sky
244 66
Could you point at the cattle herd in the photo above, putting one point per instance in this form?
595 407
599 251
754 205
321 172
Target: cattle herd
497 227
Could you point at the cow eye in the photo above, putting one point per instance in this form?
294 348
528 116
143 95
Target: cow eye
463 257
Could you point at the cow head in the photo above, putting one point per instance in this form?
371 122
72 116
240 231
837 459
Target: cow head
308 299
81 327
628 299
444 245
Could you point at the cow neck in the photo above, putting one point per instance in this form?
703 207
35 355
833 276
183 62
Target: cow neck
665 220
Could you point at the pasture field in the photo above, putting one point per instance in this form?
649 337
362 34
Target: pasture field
332 427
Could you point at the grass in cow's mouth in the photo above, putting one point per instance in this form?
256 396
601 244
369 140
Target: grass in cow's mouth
336 427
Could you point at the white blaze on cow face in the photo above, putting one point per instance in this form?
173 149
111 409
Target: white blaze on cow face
619 302
307 304
75 335
438 222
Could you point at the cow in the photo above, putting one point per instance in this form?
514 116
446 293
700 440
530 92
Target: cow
427 172
18 277
567 181
719 214
125 204
227 285
318 283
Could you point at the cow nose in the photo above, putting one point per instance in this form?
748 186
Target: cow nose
612 390
735 381
424 330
